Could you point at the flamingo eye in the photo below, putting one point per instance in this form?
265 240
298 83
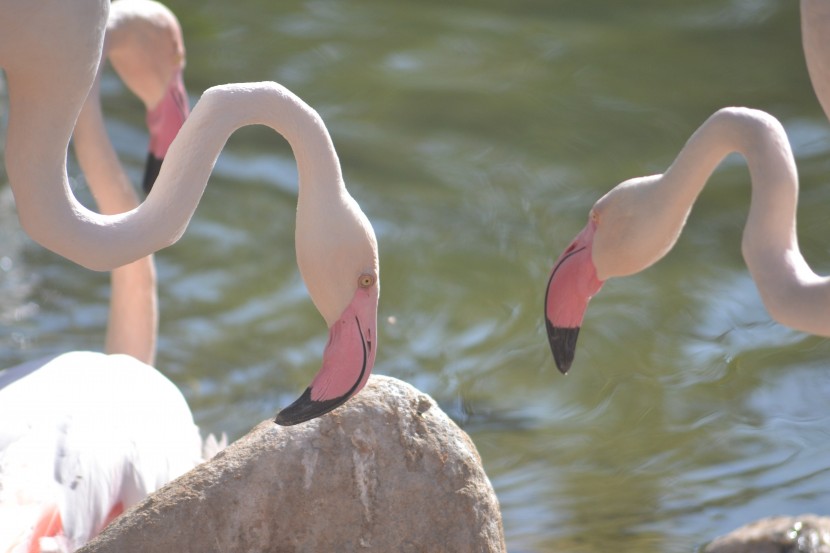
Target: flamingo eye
365 280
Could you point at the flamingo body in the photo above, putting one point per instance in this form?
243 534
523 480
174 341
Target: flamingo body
84 436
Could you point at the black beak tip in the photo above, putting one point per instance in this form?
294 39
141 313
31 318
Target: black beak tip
151 172
305 409
562 345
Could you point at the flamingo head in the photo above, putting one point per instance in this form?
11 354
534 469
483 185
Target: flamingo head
338 259
629 228
144 44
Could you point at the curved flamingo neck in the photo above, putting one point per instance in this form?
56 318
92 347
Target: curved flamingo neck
762 141
63 225
658 206
132 326
42 114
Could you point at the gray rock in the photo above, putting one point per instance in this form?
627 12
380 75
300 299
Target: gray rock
388 471
802 534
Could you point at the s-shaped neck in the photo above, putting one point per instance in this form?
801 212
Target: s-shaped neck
792 293
102 242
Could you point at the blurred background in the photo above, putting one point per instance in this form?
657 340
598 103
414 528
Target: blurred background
476 135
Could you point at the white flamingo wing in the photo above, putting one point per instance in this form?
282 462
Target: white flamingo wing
97 433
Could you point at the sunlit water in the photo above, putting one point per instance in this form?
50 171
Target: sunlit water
476 136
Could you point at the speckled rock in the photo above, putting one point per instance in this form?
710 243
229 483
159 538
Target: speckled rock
388 471
801 534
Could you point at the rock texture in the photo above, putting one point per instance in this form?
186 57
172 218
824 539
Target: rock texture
388 471
802 534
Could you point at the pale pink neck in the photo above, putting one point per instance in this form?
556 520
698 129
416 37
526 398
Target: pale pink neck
132 326
763 143
815 23
792 292
61 224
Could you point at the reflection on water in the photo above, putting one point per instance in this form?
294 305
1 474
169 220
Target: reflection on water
476 135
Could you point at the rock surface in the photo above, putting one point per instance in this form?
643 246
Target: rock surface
388 471
802 534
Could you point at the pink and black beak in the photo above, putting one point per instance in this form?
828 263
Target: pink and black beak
347 361
573 281
164 122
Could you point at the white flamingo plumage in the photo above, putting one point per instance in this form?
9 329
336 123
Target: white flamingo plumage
84 436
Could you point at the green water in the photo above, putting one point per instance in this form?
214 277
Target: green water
476 136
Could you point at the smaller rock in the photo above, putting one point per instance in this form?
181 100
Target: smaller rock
387 471
801 534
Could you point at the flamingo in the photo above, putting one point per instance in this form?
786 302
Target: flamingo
638 221
85 435
336 246
138 31
145 47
